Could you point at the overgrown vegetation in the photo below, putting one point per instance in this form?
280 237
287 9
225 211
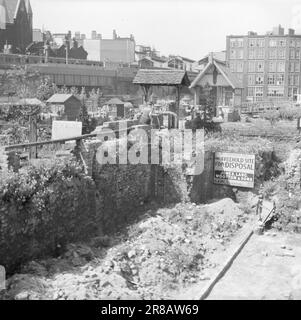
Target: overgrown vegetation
284 113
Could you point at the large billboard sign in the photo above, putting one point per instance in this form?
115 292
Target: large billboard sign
234 169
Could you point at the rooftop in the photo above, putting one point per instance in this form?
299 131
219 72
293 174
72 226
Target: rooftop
60 98
162 77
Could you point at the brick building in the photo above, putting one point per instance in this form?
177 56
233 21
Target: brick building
15 24
268 65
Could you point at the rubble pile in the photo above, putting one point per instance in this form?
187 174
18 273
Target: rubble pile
164 252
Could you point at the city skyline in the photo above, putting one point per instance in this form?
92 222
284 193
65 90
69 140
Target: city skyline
152 22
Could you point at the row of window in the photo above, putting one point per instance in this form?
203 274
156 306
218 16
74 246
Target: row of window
258 66
236 42
272 79
271 92
260 42
259 53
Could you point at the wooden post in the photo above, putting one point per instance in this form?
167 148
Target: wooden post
178 97
33 136
146 89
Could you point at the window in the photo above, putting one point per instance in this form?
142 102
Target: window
281 53
256 43
251 91
252 66
240 66
260 53
275 92
282 43
291 67
240 54
232 66
259 79
292 54
232 54
281 66
297 54
280 79
240 43
260 43
290 92
273 43
298 43
252 54
273 54
251 79
258 91
260 66
291 80
271 79
272 66
252 43
236 43
296 80
297 66
292 43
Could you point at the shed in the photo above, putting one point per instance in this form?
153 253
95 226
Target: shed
176 78
225 87
67 106
116 107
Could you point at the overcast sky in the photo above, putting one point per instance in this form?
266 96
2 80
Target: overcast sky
190 28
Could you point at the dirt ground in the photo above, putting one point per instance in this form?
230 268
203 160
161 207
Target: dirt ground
269 267
162 255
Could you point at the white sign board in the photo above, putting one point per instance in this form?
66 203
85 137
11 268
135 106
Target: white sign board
66 129
234 169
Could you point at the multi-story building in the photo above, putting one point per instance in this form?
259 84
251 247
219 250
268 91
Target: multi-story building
119 50
15 25
268 65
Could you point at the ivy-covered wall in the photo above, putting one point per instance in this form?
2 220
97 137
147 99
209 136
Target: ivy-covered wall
42 209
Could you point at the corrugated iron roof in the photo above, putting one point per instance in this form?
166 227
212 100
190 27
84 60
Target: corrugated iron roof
161 77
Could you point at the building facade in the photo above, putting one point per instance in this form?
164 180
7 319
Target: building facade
267 65
119 50
15 25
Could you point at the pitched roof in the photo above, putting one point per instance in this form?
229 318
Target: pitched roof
60 98
235 83
187 59
28 6
161 77
12 7
219 55
115 101
224 70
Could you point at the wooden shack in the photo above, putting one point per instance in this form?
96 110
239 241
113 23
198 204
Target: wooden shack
66 106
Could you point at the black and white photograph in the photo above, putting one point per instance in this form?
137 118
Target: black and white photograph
150 151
